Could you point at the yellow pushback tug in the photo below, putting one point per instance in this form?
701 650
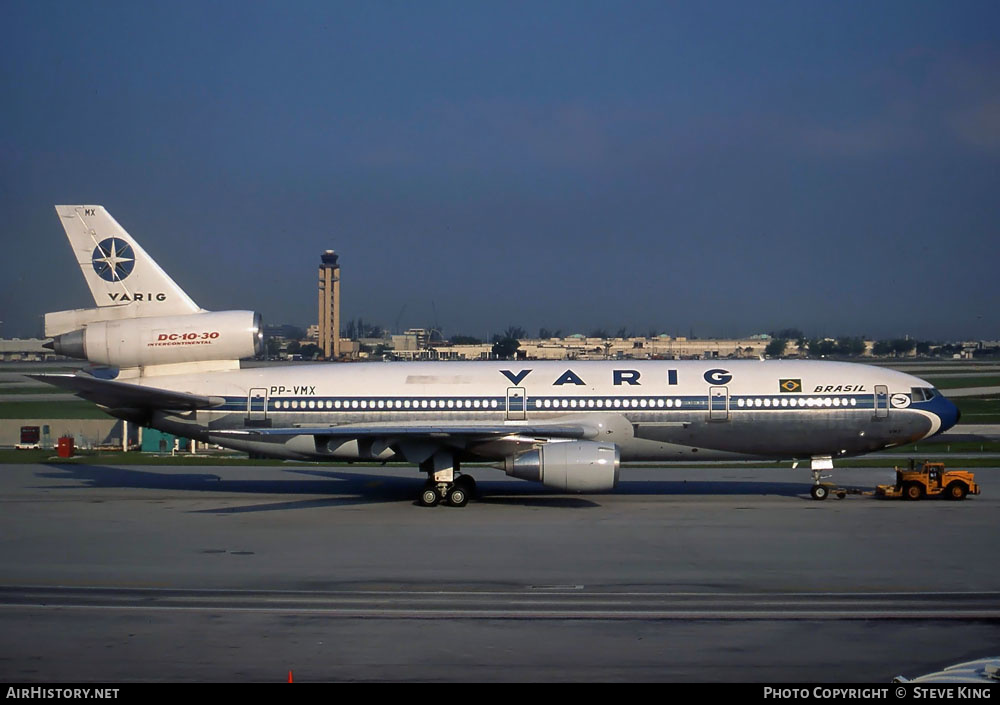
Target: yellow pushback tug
931 480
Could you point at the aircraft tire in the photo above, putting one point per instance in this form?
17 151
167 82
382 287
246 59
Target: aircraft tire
458 497
429 497
819 492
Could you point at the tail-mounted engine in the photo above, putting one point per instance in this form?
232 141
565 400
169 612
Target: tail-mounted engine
142 342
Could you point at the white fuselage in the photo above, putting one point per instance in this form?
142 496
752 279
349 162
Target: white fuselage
653 410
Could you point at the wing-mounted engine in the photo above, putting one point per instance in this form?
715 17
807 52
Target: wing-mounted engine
165 340
572 466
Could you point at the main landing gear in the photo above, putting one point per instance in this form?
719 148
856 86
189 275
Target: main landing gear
454 494
444 483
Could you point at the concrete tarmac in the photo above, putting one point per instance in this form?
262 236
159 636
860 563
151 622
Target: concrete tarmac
119 574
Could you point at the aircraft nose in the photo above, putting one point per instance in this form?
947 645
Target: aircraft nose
947 412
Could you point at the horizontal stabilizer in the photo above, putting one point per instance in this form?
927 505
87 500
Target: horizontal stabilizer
121 395
60 322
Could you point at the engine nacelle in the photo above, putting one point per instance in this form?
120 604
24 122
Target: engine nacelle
164 340
577 466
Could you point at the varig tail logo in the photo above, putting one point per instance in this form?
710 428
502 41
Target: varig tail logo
113 259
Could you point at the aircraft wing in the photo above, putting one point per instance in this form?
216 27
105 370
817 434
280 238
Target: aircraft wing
117 395
415 442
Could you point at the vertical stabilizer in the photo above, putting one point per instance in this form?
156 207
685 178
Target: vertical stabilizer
118 271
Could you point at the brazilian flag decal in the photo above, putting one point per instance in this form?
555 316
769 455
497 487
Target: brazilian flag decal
790 385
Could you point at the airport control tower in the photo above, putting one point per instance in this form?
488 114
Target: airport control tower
329 305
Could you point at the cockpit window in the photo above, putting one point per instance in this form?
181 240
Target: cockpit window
923 393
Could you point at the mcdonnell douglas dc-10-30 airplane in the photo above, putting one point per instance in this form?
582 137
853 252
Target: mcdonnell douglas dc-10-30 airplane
565 424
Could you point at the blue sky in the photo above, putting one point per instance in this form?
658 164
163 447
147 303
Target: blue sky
724 168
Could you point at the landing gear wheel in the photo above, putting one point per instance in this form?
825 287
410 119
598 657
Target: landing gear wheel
429 497
819 492
458 496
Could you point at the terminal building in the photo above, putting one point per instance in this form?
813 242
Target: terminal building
580 347
414 345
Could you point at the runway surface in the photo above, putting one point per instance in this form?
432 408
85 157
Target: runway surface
683 574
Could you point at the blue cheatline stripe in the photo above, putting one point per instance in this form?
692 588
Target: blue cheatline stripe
487 404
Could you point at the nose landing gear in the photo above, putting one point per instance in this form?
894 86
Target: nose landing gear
821 490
